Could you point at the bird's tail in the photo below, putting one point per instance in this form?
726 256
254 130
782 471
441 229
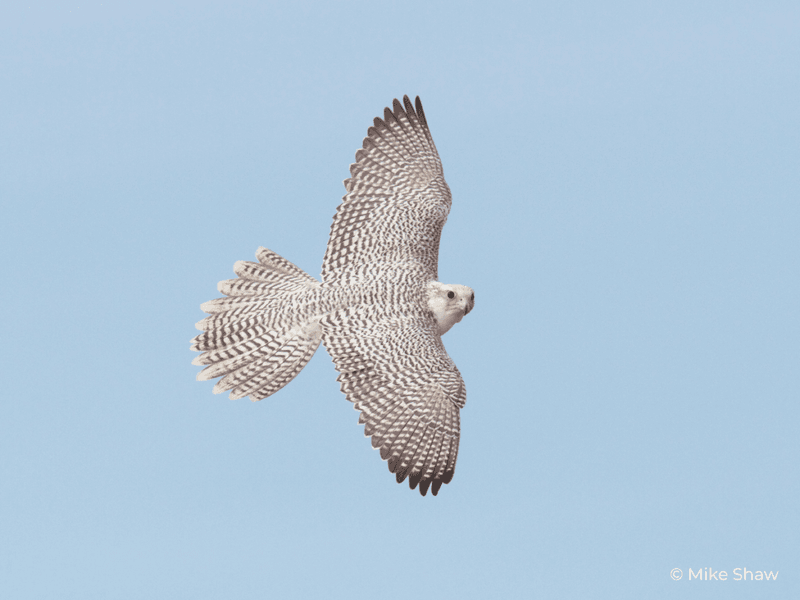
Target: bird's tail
266 330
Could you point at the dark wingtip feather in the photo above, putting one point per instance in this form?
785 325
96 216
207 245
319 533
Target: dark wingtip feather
420 112
398 108
408 105
423 487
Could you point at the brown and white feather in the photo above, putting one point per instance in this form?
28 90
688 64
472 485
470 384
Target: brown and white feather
373 308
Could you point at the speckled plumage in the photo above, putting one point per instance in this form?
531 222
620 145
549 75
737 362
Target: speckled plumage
379 308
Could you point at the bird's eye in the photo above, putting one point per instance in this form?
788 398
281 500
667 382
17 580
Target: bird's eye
451 295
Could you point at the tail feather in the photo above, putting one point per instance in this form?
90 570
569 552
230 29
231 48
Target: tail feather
268 273
227 358
276 262
242 305
277 382
272 313
229 335
274 371
260 354
262 289
259 337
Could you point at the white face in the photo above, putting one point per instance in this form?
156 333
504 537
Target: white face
449 303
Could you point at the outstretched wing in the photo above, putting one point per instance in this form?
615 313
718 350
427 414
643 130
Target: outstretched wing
396 204
395 370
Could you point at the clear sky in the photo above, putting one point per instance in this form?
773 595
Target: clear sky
626 205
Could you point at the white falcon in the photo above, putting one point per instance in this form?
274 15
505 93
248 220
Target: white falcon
379 308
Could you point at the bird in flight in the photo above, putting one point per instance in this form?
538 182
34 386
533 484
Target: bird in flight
379 307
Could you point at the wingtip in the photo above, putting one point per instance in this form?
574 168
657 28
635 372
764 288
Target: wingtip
397 108
408 105
423 487
420 112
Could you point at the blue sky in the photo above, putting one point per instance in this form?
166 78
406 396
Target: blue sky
626 179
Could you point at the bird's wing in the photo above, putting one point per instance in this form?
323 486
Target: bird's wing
396 204
395 370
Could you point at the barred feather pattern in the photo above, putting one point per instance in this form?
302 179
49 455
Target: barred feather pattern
372 308
263 333
396 204
395 370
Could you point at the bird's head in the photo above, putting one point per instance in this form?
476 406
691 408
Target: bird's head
449 303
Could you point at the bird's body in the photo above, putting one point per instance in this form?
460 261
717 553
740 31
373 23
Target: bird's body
379 308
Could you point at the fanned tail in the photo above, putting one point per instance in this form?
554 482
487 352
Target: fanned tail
263 333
